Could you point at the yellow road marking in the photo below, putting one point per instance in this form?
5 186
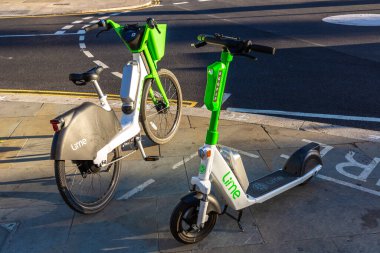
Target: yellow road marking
185 103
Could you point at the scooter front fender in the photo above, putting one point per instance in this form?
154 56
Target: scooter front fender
195 197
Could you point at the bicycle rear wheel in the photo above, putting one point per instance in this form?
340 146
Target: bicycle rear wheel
160 122
84 187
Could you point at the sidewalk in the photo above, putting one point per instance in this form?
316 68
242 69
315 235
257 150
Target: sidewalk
17 8
339 211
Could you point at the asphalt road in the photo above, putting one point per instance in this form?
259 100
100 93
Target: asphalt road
319 67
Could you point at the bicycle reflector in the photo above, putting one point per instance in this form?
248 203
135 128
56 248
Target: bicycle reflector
56 124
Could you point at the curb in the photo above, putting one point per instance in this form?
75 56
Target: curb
300 125
90 11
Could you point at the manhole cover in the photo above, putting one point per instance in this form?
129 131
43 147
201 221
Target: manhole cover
355 19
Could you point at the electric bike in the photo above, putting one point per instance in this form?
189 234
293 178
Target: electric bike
88 139
196 214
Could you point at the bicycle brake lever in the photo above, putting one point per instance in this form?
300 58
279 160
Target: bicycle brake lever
105 30
199 44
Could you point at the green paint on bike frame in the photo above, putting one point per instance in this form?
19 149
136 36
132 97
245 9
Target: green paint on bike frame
151 42
216 82
202 169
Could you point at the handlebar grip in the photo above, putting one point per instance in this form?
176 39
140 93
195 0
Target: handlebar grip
263 49
101 23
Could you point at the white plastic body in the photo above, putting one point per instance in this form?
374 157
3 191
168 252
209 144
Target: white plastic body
129 122
236 164
228 184
129 89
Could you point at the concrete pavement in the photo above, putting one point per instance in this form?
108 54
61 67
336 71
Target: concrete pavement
17 8
339 211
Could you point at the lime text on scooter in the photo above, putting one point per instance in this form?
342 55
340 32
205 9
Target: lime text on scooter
233 187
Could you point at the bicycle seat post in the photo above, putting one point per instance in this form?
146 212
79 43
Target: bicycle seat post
102 97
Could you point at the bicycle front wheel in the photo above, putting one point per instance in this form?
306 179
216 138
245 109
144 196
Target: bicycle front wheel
85 187
161 122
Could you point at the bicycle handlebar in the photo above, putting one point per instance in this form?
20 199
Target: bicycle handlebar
101 23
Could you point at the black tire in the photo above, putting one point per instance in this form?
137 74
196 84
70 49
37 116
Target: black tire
162 133
311 161
66 173
188 213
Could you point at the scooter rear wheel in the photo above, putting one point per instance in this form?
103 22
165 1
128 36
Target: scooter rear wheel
183 223
311 161
84 187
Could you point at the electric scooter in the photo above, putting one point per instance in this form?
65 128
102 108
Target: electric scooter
196 214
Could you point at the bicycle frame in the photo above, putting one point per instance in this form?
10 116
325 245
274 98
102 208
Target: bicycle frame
146 69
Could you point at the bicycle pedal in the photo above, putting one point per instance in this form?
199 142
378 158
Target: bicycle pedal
152 158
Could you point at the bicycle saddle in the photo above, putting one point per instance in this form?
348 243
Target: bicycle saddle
88 76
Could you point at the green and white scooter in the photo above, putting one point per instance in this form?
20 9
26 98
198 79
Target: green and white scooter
195 215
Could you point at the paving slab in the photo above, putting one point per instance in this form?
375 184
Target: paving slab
7 129
365 243
53 109
36 127
11 109
9 149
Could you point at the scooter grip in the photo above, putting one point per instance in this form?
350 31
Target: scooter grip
263 49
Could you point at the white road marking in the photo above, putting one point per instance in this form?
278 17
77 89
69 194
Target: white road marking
225 97
99 63
82 45
351 162
105 17
85 26
66 27
158 5
81 32
9 226
58 33
77 22
354 186
175 166
180 3
241 152
85 18
81 38
284 156
137 189
115 14
304 114
94 21
375 137
378 183
118 74
355 19
88 54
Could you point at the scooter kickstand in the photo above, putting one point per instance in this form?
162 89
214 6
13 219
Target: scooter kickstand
240 214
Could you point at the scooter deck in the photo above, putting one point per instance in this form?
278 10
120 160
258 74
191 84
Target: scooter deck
269 183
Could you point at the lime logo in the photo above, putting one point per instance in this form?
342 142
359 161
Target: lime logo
230 183
202 169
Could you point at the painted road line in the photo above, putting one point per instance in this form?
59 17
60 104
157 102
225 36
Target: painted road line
115 14
284 156
105 17
241 151
90 17
137 189
224 99
81 38
178 3
354 186
58 33
355 19
82 45
99 63
304 114
77 22
378 183
85 26
325 150
81 32
94 21
88 54
175 166
66 27
118 74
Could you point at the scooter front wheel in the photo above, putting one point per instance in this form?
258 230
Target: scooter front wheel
85 187
183 223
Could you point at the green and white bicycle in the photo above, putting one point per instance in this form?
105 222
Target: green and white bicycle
195 215
87 141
